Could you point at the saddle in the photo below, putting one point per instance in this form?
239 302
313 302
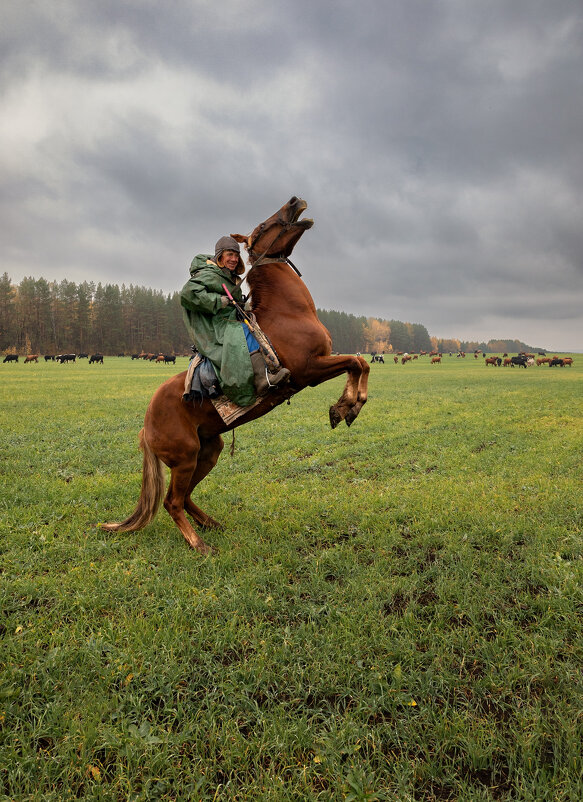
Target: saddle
198 386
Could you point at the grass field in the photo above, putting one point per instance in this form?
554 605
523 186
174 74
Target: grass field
395 610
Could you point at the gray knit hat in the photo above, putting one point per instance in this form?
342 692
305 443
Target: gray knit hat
229 244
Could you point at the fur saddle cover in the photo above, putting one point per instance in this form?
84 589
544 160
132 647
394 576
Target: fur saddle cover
201 382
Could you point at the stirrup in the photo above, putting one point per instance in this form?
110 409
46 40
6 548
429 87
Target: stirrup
281 375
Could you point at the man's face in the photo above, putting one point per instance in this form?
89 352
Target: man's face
230 259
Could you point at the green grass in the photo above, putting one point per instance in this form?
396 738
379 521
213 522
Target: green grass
395 610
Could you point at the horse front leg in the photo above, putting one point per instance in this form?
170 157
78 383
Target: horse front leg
362 392
354 396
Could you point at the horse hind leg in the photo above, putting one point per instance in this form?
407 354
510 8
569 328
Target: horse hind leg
175 504
207 459
184 477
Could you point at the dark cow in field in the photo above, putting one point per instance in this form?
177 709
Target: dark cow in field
169 360
378 358
82 356
556 361
31 358
49 357
10 358
97 358
520 360
62 358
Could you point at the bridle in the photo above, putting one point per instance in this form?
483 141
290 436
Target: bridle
263 258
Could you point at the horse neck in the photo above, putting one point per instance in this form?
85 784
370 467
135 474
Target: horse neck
275 286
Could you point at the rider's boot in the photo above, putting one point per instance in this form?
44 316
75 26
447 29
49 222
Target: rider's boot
266 379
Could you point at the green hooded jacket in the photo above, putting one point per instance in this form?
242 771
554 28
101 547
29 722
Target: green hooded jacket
215 329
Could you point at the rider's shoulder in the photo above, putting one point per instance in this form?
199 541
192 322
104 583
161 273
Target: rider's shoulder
201 261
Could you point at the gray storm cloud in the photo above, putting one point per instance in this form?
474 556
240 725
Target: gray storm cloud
439 147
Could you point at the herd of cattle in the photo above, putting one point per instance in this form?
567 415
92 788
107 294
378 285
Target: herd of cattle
523 360
93 359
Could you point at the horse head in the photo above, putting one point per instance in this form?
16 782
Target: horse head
277 236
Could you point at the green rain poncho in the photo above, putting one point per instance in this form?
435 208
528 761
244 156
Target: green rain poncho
215 330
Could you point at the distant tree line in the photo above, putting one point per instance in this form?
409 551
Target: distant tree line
49 317
39 316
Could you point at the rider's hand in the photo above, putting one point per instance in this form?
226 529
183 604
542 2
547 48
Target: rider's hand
225 301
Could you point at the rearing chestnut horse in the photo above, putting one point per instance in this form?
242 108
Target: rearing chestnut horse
187 437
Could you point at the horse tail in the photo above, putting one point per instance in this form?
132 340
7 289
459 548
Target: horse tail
151 494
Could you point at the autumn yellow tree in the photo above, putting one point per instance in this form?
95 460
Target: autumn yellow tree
377 334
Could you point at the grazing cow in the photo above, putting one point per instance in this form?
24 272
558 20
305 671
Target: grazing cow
395 359
405 358
97 358
543 360
507 361
82 356
491 360
62 358
556 361
567 360
519 360
168 359
31 358
10 358
435 360
49 357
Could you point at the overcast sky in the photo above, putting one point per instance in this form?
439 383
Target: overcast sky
438 143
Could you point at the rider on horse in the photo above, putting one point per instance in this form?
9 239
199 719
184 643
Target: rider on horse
212 320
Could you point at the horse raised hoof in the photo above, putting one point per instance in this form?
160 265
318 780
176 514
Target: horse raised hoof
335 417
351 417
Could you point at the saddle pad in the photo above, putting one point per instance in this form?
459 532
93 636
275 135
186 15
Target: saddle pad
227 409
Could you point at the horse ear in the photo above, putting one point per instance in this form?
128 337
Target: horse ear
239 237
